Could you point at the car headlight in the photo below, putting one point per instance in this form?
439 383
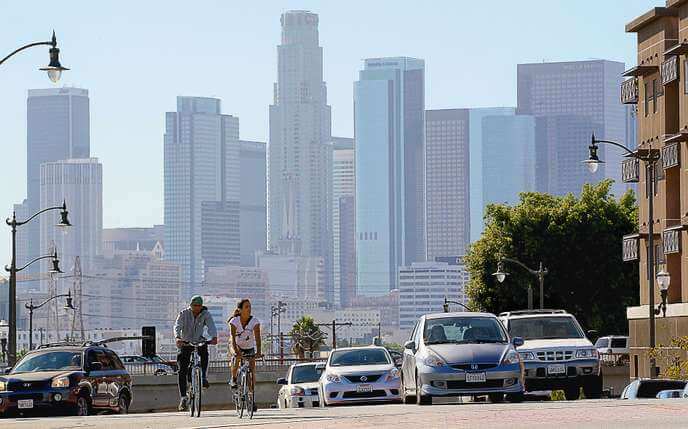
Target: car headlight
333 378
511 357
393 373
60 382
3 386
433 360
587 353
297 391
527 355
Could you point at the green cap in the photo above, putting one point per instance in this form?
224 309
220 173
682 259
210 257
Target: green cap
197 299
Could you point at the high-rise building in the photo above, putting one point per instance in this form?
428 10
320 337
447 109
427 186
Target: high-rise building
299 277
201 188
343 186
79 183
475 126
588 89
117 240
389 106
299 150
252 200
57 128
447 176
508 157
347 250
423 287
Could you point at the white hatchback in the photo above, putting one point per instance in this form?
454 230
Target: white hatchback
300 387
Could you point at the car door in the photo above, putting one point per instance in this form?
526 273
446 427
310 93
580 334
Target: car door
97 375
117 378
408 363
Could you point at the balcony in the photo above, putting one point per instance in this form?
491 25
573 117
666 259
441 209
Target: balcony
671 240
669 70
629 91
630 247
630 170
670 156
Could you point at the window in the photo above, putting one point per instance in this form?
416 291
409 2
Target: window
655 93
647 98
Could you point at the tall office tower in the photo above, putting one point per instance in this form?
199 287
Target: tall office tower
201 188
57 128
79 183
584 88
447 175
299 150
343 186
475 126
252 200
389 106
508 158
347 250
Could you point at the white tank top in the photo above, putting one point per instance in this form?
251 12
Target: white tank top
245 338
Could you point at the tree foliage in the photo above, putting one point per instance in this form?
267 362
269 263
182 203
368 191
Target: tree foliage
579 240
306 337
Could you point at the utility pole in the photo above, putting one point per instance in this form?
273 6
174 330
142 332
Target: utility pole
334 325
77 316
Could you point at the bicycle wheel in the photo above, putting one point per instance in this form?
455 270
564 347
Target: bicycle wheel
198 387
249 399
240 394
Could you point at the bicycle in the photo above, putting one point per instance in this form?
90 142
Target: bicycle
195 386
244 396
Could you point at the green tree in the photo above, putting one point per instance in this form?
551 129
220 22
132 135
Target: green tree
306 337
579 240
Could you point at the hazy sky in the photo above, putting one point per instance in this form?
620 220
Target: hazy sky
135 57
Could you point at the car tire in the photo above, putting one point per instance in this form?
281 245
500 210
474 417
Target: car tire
515 398
592 387
405 397
420 398
496 398
160 372
83 406
123 403
572 393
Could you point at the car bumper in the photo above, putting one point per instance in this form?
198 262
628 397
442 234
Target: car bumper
42 400
345 392
303 401
446 381
538 376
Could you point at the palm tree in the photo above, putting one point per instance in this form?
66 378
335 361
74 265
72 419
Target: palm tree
306 336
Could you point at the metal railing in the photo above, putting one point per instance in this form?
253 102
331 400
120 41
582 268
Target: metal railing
214 366
614 359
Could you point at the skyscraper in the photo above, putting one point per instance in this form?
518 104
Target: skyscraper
389 106
588 89
343 186
57 128
448 181
508 158
299 150
79 183
252 200
201 188
347 250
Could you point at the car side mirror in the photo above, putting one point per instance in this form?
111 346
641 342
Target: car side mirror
96 366
517 341
282 381
410 345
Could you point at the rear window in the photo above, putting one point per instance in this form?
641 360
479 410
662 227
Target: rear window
650 388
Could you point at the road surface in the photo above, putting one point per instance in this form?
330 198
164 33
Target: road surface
671 413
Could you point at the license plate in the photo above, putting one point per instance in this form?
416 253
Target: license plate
364 388
556 369
475 377
25 403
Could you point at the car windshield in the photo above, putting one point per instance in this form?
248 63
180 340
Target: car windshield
305 374
545 328
359 357
601 343
466 330
650 388
50 361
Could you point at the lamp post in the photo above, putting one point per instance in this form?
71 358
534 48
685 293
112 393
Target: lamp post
649 158
29 306
445 306
540 274
54 68
13 270
663 280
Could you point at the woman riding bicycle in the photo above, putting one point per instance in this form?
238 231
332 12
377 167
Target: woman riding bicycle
245 339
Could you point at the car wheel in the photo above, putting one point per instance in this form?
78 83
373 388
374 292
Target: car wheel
405 397
514 397
420 398
161 372
592 388
572 393
123 403
496 398
83 406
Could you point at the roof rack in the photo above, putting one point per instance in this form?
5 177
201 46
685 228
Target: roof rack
104 342
525 312
59 344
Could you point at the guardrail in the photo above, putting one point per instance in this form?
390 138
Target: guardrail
614 359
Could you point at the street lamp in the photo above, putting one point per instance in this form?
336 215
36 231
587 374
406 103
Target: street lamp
445 306
54 69
649 158
540 274
13 270
663 280
29 306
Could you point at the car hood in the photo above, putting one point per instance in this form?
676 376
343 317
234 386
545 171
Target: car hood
558 343
359 369
35 376
473 353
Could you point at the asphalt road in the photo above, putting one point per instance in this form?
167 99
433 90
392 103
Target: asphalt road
672 413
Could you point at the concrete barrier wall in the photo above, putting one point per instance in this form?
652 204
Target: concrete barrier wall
160 393
615 379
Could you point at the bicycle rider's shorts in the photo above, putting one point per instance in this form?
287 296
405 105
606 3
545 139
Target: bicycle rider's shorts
249 352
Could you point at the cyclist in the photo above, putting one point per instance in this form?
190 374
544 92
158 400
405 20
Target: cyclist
245 331
188 328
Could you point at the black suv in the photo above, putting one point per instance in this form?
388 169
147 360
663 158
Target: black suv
66 378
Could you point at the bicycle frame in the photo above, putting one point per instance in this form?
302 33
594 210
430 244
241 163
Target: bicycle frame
243 397
194 386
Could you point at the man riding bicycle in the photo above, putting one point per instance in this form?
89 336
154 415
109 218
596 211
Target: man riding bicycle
245 331
188 328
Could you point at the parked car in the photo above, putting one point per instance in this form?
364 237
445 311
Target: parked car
685 392
300 388
556 353
397 357
461 354
645 388
670 394
66 378
146 365
363 374
612 344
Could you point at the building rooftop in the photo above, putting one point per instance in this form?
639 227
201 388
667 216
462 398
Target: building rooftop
649 17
